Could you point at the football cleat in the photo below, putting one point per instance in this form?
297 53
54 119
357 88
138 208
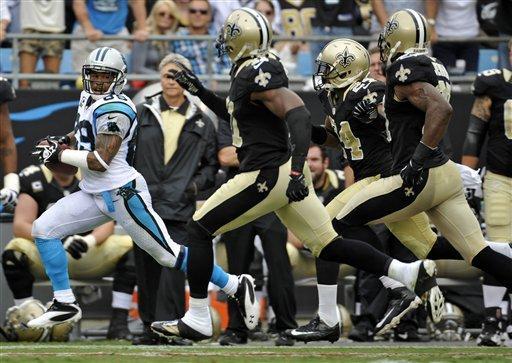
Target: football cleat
491 333
435 304
402 301
426 288
248 305
177 328
315 330
57 313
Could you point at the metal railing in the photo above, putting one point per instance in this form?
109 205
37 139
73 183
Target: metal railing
15 38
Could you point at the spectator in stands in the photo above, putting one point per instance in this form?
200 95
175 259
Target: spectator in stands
164 19
183 9
95 254
41 17
382 10
5 19
221 10
177 155
99 18
455 19
240 253
376 66
197 52
504 25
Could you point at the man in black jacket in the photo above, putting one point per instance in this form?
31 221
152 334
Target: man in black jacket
177 155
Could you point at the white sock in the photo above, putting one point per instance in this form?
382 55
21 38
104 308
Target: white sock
198 316
390 283
231 286
328 304
501 247
18 302
121 300
64 296
406 273
493 295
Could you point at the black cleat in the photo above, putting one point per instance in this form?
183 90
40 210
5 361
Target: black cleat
57 313
363 329
491 333
284 340
118 327
402 301
232 338
315 330
177 328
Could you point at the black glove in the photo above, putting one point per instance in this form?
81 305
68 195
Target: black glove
366 110
62 140
76 246
189 81
297 188
47 153
412 173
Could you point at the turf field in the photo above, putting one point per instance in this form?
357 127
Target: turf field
99 352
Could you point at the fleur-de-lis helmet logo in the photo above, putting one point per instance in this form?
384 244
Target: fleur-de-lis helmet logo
391 26
345 58
232 31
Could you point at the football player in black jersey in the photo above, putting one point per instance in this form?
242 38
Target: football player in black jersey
492 115
423 178
345 90
271 130
95 254
8 156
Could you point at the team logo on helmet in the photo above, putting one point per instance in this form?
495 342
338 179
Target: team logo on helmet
233 30
345 58
391 26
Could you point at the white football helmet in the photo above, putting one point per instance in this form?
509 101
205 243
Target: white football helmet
104 60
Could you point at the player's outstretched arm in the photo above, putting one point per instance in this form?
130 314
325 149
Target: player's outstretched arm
325 134
477 130
189 81
438 110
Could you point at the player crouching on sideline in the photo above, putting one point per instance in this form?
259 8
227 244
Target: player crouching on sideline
111 189
95 254
271 130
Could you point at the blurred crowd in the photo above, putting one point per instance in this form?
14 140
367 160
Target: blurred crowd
97 19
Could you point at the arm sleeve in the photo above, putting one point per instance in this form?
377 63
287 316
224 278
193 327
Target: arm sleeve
475 136
205 175
215 103
7 93
299 124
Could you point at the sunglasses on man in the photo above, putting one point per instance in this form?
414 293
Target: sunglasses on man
196 11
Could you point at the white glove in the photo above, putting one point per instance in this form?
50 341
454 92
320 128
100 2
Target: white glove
10 191
471 179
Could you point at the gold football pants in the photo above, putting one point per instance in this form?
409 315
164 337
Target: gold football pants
498 207
440 196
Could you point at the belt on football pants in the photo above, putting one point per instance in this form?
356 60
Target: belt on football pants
107 198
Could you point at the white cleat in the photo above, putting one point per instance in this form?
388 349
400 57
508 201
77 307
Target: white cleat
57 313
245 296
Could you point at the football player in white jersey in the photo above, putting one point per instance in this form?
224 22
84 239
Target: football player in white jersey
102 146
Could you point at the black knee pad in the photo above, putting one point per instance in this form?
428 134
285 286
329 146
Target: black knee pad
198 235
17 273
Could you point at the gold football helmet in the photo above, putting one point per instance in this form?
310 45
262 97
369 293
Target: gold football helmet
341 63
406 31
17 317
246 33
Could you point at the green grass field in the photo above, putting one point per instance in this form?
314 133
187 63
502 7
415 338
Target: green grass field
123 352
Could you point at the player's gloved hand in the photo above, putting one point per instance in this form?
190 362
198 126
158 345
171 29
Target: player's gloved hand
366 110
189 81
412 174
297 188
8 199
62 140
78 245
47 153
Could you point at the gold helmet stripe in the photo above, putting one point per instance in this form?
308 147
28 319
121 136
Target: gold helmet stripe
421 28
264 31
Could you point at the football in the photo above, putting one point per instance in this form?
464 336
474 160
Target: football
58 167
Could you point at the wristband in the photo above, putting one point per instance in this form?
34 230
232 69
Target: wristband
423 153
12 182
76 158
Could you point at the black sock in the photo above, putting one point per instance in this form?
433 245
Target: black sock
443 250
200 260
495 264
327 272
357 254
